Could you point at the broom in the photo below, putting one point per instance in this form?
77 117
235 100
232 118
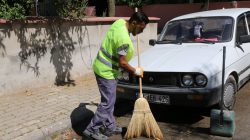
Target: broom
142 121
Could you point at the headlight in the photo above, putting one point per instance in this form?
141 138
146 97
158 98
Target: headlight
187 80
119 77
125 76
200 80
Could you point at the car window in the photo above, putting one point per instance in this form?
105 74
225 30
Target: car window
241 28
248 20
211 29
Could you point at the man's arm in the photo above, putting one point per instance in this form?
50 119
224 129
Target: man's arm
122 52
125 65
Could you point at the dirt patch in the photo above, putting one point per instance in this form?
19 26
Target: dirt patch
67 134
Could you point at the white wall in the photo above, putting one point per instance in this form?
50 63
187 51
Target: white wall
53 50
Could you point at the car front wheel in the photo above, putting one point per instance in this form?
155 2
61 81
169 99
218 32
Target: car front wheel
230 90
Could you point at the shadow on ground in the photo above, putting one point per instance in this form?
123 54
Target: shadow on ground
182 118
178 119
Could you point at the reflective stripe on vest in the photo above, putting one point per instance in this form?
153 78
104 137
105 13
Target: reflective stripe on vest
107 63
108 55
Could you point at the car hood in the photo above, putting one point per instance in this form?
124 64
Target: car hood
181 58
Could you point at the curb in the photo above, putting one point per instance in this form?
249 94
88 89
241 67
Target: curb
43 133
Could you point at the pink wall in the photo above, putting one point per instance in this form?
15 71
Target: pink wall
169 11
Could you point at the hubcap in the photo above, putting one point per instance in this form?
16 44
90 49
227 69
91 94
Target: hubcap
229 96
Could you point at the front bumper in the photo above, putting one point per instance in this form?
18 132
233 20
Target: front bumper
193 97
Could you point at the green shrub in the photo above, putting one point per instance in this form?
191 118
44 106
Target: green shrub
19 9
15 9
71 8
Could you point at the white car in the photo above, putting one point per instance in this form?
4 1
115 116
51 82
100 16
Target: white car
184 68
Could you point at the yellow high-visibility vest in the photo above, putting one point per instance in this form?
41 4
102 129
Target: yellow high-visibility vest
106 63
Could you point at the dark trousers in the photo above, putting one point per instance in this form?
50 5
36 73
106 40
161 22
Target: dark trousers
104 113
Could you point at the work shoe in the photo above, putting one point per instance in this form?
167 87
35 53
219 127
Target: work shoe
96 136
108 132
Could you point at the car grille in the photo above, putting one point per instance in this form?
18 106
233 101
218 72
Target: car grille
157 79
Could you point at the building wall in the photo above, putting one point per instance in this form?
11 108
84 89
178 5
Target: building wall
43 52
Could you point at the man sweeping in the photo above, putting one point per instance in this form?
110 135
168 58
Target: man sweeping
116 51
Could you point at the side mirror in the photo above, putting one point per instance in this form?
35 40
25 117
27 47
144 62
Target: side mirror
244 39
152 42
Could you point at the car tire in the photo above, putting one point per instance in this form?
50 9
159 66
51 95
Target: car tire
230 90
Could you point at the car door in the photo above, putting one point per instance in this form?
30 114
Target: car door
243 49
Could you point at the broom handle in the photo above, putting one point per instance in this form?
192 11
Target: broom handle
140 79
138 51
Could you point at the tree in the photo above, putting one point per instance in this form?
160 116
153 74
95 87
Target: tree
111 8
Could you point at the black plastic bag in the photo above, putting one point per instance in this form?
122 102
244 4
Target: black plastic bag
80 118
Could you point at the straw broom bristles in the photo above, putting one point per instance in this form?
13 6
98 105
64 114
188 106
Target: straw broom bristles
143 122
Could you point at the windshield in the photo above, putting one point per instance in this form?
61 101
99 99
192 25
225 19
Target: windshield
207 29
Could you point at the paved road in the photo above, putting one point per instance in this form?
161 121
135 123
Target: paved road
34 114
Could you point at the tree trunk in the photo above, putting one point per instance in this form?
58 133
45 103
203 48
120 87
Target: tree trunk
205 5
111 8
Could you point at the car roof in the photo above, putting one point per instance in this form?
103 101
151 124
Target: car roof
232 12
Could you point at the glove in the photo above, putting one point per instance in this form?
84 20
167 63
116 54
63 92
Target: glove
139 72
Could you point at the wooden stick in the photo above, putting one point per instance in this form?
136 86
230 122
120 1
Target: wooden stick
138 51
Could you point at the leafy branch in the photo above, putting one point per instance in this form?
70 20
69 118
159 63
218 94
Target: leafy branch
71 8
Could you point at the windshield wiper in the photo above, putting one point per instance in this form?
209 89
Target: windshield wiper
179 42
206 42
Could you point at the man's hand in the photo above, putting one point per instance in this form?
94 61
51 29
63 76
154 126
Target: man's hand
139 72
